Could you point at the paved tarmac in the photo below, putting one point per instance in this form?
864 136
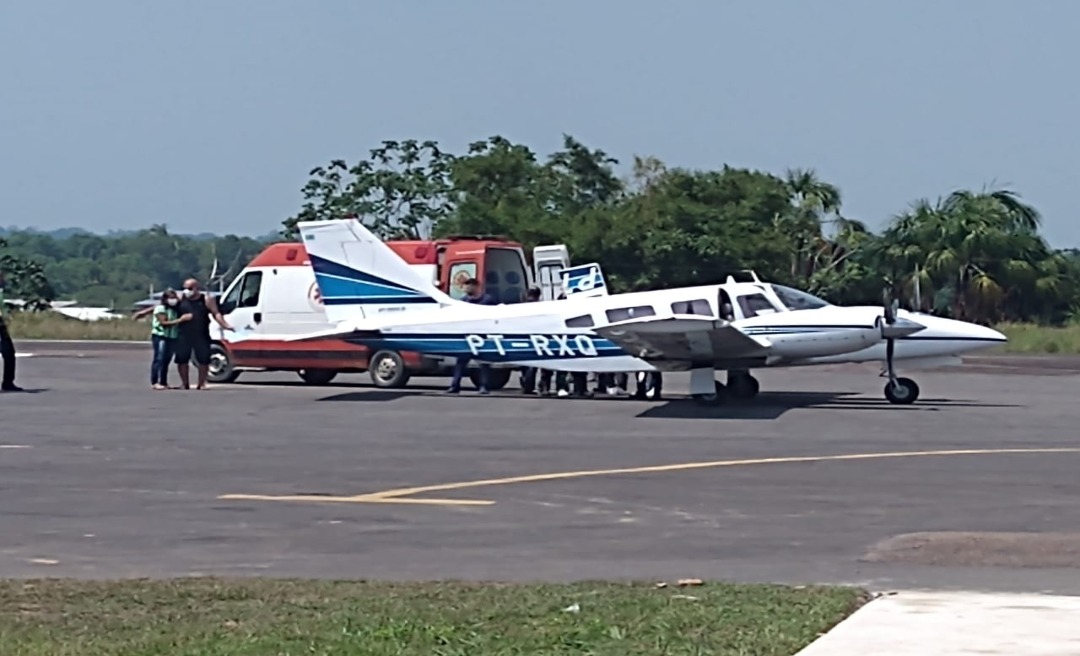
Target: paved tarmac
102 477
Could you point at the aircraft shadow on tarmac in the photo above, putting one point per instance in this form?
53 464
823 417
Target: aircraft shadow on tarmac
773 405
768 405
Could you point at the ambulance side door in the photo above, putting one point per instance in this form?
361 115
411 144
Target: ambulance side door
242 305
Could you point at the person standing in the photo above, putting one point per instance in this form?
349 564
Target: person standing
164 330
528 374
7 347
193 338
472 295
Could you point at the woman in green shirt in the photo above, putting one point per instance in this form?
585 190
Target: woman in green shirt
163 333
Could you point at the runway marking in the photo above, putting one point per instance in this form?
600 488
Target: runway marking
402 495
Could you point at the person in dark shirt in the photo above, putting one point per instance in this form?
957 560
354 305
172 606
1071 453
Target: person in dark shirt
7 347
528 374
194 335
472 295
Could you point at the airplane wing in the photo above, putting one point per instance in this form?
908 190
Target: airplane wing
340 331
684 339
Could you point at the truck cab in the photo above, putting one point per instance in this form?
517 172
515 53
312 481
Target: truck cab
276 297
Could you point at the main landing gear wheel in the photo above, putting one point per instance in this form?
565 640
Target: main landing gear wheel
497 378
902 392
716 398
743 386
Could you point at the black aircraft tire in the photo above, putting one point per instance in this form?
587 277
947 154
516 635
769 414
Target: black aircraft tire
497 378
906 395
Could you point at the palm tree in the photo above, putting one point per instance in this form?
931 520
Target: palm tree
978 250
812 200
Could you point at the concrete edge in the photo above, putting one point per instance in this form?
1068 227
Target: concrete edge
813 649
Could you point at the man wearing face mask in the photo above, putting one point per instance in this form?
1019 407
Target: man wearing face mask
193 340
7 348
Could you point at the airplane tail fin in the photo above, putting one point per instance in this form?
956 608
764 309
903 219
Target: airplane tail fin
360 276
584 280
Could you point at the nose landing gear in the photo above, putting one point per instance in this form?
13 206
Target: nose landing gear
900 391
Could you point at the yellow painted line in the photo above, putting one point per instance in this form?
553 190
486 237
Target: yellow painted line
399 495
360 498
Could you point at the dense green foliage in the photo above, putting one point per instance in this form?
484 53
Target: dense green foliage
23 278
117 270
976 255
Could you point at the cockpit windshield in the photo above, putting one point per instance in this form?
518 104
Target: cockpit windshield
794 299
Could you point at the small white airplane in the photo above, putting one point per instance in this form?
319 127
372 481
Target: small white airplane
377 300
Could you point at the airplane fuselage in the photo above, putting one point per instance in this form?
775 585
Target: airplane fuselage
557 334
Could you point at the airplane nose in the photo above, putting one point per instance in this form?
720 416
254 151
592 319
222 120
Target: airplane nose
975 332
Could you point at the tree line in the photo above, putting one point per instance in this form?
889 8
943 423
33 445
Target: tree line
116 270
974 255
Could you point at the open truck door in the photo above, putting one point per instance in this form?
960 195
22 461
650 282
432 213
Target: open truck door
583 279
548 262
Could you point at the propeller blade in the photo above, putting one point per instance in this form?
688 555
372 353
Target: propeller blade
890 312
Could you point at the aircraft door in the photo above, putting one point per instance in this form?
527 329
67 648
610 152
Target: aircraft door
242 305
724 308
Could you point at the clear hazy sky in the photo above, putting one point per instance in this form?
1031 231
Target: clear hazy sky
207 116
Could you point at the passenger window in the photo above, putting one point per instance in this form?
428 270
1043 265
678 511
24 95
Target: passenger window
249 295
584 321
696 306
459 273
636 312
755 304
504 275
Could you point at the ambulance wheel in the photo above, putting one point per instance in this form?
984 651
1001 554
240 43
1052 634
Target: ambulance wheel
388 369
497 378
317 376
221 368
904 392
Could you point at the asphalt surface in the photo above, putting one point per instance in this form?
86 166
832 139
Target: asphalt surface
103 478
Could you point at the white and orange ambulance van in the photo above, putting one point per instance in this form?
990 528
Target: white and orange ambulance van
276 297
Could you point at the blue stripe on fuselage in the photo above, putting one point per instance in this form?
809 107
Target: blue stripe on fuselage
519 346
